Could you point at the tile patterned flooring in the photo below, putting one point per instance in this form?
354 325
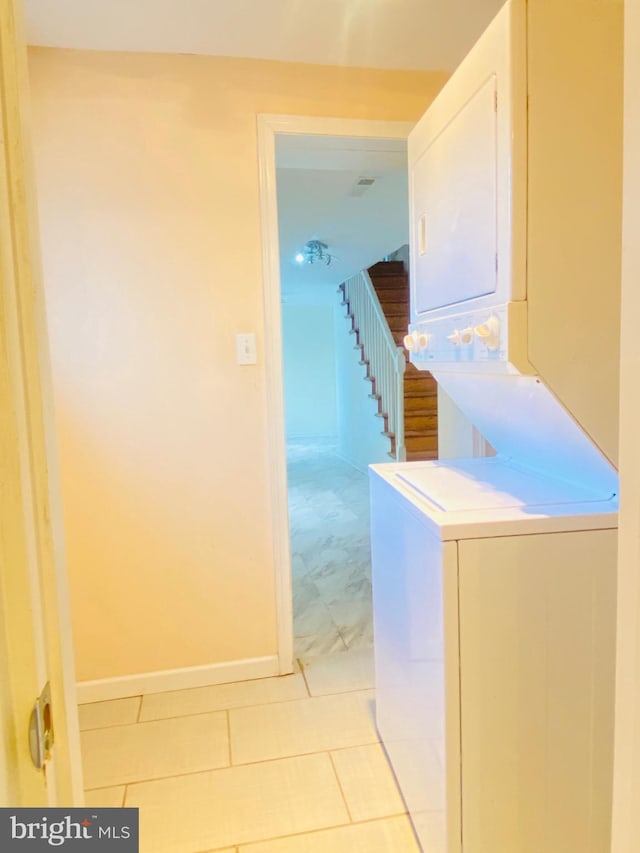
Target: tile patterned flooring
277 765
330 553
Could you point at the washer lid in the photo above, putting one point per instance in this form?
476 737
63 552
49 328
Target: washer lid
525 423
493 483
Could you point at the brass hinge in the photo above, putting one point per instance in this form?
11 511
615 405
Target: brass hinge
41 729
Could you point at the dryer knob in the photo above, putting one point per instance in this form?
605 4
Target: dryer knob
489 333
416 341
466 335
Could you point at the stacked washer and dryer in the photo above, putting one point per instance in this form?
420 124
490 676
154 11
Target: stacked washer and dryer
494 579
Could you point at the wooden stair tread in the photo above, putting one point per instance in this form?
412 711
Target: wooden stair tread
393 309
388 300
398 290
421 455
419 377
418 405
416 386
397 324
396 287
413 422
422 442
386 268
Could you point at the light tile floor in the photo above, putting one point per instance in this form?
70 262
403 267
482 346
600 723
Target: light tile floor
330 552
279 765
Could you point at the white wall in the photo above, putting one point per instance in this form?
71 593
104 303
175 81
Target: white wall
455 430
626 817
359 432
309 363
458 438
149 202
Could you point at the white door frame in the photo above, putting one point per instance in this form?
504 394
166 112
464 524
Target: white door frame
626 808
268 127
35 641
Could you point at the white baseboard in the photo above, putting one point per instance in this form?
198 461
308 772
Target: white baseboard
177 679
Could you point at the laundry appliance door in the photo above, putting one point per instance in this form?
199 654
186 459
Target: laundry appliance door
455 207
467 181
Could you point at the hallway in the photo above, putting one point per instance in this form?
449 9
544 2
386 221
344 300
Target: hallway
330 551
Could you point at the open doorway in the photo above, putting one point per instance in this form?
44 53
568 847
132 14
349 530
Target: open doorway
342 184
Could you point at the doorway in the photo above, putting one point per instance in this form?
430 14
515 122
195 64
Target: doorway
292 141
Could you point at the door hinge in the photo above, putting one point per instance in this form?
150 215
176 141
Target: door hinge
495 100
41 729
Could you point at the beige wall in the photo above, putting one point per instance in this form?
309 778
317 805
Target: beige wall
148 190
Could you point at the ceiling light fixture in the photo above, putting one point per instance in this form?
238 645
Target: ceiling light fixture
315 252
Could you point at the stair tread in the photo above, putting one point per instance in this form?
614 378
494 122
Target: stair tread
413 421
420 422
393 299
421 455
421 406
421 444
386 268
414 394
417 379
394 310
412 382
391 287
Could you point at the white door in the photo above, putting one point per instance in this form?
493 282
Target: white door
35 641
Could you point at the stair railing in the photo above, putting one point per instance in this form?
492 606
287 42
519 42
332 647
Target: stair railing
387 362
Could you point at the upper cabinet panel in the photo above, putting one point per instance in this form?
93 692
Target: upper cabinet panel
455 207
467 167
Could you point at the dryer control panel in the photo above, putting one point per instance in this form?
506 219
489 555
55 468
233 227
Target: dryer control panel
474 336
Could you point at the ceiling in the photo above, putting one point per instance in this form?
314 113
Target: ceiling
319 198
409 34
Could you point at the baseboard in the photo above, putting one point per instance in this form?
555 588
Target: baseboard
142 683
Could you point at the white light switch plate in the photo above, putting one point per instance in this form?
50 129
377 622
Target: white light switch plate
246 348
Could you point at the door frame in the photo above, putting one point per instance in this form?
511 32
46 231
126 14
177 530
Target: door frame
36 644
269 126
626 789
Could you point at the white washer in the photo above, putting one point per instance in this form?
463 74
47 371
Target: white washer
494 616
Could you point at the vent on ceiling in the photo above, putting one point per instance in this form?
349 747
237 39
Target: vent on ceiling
361 186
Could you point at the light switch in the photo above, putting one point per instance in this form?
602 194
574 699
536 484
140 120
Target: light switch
246 348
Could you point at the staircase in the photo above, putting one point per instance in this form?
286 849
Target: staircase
420 394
